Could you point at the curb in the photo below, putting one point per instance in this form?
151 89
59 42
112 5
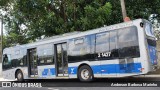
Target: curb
2 79
151 76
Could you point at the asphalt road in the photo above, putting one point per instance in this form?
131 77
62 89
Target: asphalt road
101 84
85 88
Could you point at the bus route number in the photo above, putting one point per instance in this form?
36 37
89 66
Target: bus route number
105 54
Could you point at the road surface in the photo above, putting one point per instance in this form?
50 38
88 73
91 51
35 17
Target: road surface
98 84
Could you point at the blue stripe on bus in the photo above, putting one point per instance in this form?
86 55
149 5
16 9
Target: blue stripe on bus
117 68
48 71
111 68
72 70
97 69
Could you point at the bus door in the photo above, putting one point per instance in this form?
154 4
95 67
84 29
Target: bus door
32 58
61 60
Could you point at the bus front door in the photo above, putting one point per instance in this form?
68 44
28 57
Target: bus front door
61 59
32 58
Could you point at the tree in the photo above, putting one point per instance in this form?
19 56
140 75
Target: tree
30 19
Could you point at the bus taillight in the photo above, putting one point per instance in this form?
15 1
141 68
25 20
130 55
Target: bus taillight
155 61
142 69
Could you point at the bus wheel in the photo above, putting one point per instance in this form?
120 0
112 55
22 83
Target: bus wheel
19 76
85 74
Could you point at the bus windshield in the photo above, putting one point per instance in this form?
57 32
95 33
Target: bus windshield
149 30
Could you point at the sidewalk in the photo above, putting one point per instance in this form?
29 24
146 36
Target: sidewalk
2 79
138 76
148 76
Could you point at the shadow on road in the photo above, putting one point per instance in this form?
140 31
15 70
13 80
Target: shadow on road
128 79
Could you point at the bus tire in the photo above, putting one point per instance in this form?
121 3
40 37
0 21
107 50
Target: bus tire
85 73
19 76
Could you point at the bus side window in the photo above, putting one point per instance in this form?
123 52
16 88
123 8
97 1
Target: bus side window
5 60
128 42
80 49
113 45
102 45
45 54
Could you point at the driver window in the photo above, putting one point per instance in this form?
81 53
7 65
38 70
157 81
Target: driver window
6 61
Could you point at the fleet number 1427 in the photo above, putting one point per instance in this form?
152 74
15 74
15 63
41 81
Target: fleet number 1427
104 54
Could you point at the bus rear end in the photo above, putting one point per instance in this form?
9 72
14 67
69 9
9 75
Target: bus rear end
151 46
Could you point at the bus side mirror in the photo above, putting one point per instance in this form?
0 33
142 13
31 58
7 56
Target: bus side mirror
141 24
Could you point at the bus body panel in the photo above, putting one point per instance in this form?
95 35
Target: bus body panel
143 59
10 73
152 54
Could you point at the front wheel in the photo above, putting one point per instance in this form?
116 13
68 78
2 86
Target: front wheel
85 74
19 76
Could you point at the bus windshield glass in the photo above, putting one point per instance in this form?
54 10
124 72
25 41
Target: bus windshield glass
149 30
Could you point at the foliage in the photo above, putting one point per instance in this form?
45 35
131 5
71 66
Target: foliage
31 19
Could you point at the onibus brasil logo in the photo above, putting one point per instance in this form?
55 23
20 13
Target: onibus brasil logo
16 84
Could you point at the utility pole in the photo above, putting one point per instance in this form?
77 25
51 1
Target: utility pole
124 10
1 55
1 38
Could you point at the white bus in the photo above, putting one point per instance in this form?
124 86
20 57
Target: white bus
119 50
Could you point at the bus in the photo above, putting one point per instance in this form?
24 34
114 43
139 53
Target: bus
121 50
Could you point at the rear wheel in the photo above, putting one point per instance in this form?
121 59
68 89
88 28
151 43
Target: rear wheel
85 73
19 76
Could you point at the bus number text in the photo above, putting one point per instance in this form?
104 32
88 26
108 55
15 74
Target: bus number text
105 54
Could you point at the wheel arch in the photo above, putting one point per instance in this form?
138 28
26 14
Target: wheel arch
17 71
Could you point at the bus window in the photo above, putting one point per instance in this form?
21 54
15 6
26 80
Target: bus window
102 45
79 41
79 49
128 42
113 40
45 54
6 61
113 45
18 57
126 36
18 60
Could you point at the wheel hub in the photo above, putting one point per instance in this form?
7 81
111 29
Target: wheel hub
19 76
85 74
